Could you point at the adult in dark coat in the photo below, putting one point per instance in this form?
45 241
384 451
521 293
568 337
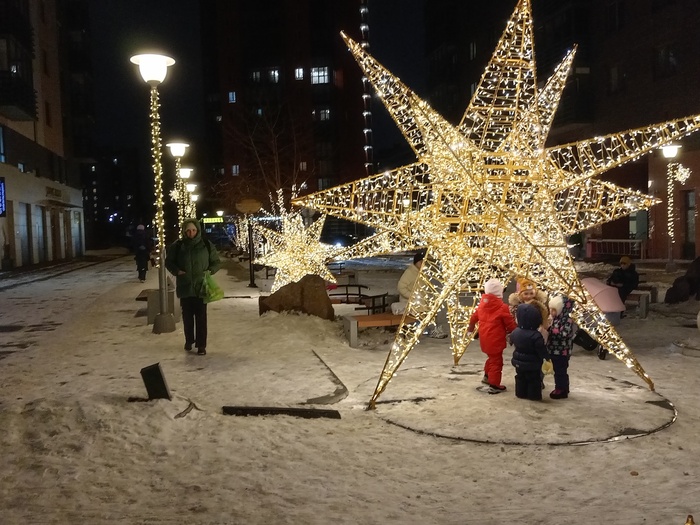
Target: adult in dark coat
625 278
188 258
529 354
142 247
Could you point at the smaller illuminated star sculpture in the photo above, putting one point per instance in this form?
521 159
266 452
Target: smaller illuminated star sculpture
296 250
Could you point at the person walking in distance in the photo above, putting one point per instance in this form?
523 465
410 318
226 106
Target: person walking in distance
142 251
188 258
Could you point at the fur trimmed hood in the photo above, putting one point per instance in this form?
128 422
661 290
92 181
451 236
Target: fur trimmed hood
514 298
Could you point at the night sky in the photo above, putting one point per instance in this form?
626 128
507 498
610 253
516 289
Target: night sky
122 28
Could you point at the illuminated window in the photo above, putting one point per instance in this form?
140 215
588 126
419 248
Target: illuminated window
324 183
472 50
299 73
319 75
235 170
256 76
302 165
274 75
259 112
324 114
231 97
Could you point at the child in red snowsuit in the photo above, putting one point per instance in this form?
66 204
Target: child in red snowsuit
495 323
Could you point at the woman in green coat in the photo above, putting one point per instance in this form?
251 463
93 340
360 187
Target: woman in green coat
187 259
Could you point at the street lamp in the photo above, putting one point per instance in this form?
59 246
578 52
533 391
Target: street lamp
183 196
153 69
177 150
220 213
190 207
674 172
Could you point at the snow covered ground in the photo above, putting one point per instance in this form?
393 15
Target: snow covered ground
436 450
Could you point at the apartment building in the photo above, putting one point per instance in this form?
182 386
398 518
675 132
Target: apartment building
41 213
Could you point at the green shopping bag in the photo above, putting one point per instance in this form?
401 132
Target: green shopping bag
211 291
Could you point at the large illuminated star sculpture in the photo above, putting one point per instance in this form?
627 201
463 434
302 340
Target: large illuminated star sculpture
487 198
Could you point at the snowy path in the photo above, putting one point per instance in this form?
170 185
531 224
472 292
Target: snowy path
73 450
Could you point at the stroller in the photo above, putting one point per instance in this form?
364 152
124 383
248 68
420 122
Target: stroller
583 339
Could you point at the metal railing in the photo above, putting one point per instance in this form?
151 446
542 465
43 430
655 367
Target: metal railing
608 248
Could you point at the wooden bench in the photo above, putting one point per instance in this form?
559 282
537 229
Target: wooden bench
270 271
653 292
641 301
643 286
352 323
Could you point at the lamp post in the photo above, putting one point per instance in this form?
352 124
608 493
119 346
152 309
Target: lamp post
177 150
190 206
674 172
193 204
183 196
248 207
153 69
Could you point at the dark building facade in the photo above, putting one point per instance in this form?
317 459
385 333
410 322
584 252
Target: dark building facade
284 97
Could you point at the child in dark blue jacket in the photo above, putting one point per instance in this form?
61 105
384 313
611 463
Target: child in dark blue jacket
529 354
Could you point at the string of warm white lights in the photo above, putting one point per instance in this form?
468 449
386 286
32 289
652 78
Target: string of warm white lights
676 172
190 206
487 198
156 151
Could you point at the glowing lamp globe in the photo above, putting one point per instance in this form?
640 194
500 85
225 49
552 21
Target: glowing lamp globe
220 213
177 149
153 68
190 187
194 197
670 150
185 173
